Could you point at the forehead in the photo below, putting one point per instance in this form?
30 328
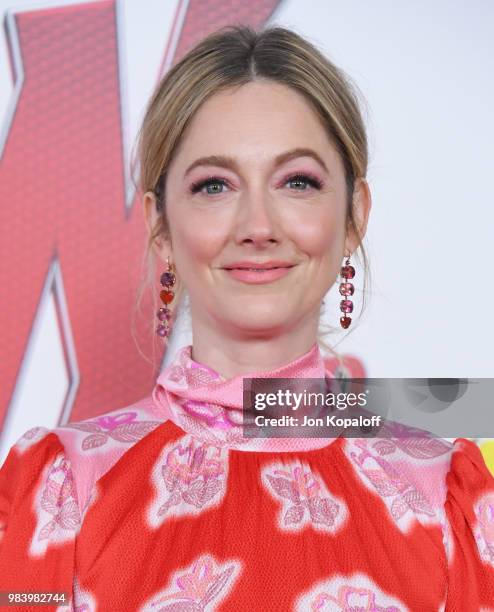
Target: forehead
268 96
260 118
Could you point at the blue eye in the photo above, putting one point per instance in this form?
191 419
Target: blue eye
304 178
213 180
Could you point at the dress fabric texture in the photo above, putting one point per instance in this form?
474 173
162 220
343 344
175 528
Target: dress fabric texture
164 506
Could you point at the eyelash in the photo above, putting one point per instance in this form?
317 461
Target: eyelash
308 178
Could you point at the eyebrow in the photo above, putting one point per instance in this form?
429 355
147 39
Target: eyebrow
232 164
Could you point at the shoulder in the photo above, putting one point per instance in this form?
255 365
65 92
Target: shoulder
470 492
447 481
35 483
93 446
468 468
469 538
85 449
417 464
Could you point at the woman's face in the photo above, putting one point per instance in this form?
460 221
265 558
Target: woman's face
255 141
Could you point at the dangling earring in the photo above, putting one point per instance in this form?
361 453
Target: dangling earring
164 313
346 289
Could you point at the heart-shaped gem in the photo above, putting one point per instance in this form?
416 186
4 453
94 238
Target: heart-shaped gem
166 296
345 322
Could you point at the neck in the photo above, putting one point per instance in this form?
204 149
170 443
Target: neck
233 356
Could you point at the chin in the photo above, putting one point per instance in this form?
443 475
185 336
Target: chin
259 322
261 310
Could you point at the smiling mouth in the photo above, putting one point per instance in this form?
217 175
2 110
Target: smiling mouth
257 276
261 269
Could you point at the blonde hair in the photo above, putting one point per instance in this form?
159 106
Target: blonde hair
230 57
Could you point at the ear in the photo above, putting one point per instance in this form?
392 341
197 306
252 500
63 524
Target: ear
362 204
161 246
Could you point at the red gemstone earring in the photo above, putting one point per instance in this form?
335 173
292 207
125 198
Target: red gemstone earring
164 313
347 272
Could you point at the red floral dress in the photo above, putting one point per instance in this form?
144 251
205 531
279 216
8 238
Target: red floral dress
145 517
126 512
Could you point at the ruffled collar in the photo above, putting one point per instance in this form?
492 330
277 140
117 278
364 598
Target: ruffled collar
206 405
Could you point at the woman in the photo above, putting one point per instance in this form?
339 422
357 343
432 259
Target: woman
253 154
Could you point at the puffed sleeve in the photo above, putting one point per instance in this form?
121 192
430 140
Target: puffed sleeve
39 518
469 537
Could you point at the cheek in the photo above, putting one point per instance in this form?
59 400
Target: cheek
319 235
195 242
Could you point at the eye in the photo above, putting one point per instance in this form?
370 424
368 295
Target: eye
217 183
212 180
308 179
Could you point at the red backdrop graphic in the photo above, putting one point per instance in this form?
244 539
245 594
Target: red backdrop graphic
62 194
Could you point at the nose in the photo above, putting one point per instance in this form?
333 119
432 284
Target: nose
257 218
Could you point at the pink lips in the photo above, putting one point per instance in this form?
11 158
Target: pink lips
274 263
255 277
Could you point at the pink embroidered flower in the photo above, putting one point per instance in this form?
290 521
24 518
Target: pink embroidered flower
350 598
304 498
110 422
484 532
199 587
193 473
31 437
389 483
190 463
304 482
485 512
121 427
189 373
213 415
196 584
59 499
32 433
412 442
348 593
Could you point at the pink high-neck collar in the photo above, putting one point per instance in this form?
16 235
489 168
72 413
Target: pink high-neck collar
203 403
